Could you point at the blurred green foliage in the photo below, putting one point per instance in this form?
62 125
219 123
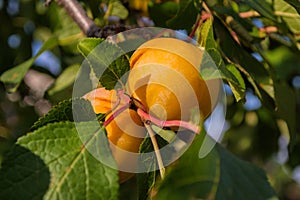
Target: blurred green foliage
258 41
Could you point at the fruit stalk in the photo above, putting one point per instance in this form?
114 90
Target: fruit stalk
169 123
156 149
115 114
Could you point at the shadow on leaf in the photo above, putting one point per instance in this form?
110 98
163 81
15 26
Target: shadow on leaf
23 175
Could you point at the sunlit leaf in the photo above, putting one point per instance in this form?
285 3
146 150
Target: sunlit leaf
117 9
254 70
138 4
289 14
65 79
228 73
107 60
87 45
238 87
238 55
75 172
114 74
295 3
13 77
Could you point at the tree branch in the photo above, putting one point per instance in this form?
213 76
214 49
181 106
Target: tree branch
78 14
87 25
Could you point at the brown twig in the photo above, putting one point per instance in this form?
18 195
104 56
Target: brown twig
206 8
249 14
78 14
269 29
87 25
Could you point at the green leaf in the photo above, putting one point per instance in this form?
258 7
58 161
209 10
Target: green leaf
262 7
167 135
255 71
65 111
118 9
286 108
75 172
108 61
283 60
85 81
192 177
295 3
238 55
87 45
205 36
65 80
65 28
162 12
147 180
114 74
219 175
180 20
198 5
13 77
238 87
241 180
229 73
23 175
289 15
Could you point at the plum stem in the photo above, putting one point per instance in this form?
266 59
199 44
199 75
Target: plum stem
156 149
122 97
115 114
199 21
169 123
